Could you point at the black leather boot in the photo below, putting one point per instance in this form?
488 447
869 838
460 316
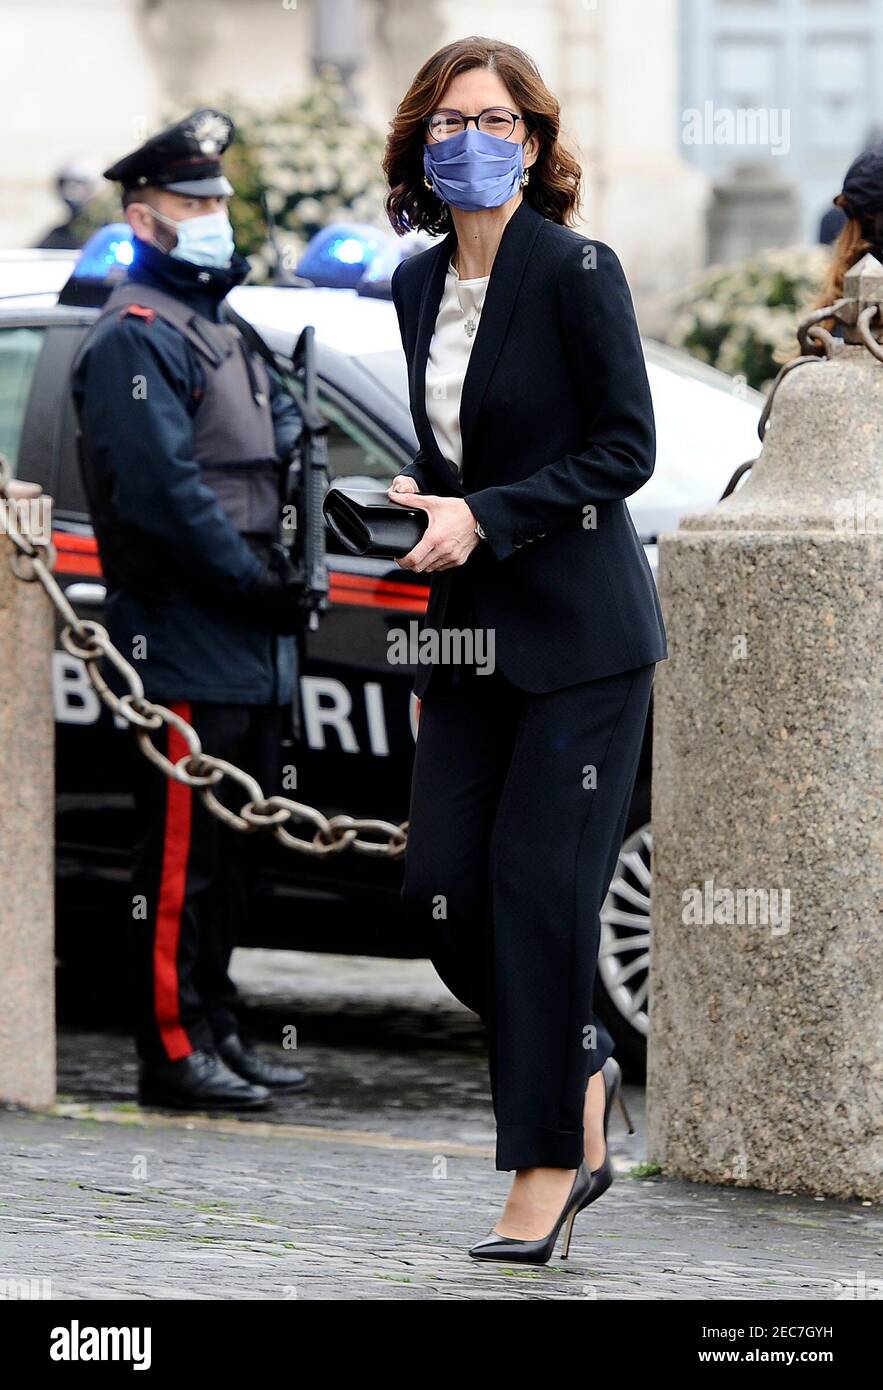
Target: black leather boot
200 1081
279 1077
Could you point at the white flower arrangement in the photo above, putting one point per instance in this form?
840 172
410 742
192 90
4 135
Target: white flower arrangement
737 316
314 162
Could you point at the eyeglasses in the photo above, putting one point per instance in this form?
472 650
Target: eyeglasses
496 120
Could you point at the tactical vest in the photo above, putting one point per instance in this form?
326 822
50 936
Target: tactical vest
233 440
233 445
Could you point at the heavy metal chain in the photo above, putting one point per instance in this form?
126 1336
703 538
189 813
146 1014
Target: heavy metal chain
811 331
34 559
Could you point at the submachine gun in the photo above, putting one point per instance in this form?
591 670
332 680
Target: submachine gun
305 485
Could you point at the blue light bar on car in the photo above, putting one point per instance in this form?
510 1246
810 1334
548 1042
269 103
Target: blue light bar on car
375 283
339 255
103 262
108 252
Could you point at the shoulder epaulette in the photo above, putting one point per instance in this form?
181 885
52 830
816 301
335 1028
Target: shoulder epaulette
138 311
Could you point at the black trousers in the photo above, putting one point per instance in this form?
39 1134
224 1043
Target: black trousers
518 808
193 881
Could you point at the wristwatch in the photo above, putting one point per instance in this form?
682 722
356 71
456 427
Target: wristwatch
479 531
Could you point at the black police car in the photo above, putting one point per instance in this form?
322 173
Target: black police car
359 718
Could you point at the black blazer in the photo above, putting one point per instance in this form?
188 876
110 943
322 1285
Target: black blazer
557 428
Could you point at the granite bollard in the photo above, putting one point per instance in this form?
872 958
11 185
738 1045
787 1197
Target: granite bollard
27 815
766 1006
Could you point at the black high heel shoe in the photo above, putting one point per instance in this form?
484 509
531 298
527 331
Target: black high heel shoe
539 1252
602 1177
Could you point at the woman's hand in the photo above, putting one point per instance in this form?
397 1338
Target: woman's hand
402 483
448 540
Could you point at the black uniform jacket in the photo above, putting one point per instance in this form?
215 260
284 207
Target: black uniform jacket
142 441
557 428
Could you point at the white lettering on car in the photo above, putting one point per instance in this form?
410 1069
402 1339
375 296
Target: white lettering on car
376 719
73 697
327 705
318 717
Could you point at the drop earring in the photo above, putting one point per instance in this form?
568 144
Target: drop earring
525 178
426 183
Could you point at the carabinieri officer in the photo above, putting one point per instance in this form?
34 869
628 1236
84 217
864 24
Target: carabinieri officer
187 438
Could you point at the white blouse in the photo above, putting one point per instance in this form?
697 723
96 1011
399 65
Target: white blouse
449 353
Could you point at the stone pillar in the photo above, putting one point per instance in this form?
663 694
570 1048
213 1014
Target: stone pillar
766 1022
27 861
750 209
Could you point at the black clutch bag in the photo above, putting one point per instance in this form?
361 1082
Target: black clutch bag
367 523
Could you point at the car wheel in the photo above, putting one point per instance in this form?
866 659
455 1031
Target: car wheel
624 956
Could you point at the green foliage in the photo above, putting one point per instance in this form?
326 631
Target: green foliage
737 316
314 159
645 1170
104 207
317 162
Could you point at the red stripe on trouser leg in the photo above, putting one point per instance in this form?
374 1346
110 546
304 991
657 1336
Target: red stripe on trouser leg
173 882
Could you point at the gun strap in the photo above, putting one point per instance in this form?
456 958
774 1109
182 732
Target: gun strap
253 338
313 419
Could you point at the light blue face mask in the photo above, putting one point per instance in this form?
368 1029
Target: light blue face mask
206 240
472 170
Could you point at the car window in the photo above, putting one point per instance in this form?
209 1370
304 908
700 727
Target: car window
19 350
352 451
390 369
47 448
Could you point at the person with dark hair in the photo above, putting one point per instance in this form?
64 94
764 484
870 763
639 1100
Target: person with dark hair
75 184
532 409
834 219
860 204
187 440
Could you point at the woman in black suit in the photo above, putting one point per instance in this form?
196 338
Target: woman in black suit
533 414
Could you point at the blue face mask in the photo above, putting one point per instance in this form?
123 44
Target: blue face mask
206 240
472 170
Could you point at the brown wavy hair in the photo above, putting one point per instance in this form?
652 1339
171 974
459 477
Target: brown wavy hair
554 186
858 235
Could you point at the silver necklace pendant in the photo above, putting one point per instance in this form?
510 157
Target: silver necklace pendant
470 324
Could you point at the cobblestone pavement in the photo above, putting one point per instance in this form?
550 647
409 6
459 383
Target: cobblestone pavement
374 1184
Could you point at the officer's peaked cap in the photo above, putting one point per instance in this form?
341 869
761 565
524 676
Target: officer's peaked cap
185 158
863 184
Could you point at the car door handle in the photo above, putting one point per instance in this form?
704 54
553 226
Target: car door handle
86 593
